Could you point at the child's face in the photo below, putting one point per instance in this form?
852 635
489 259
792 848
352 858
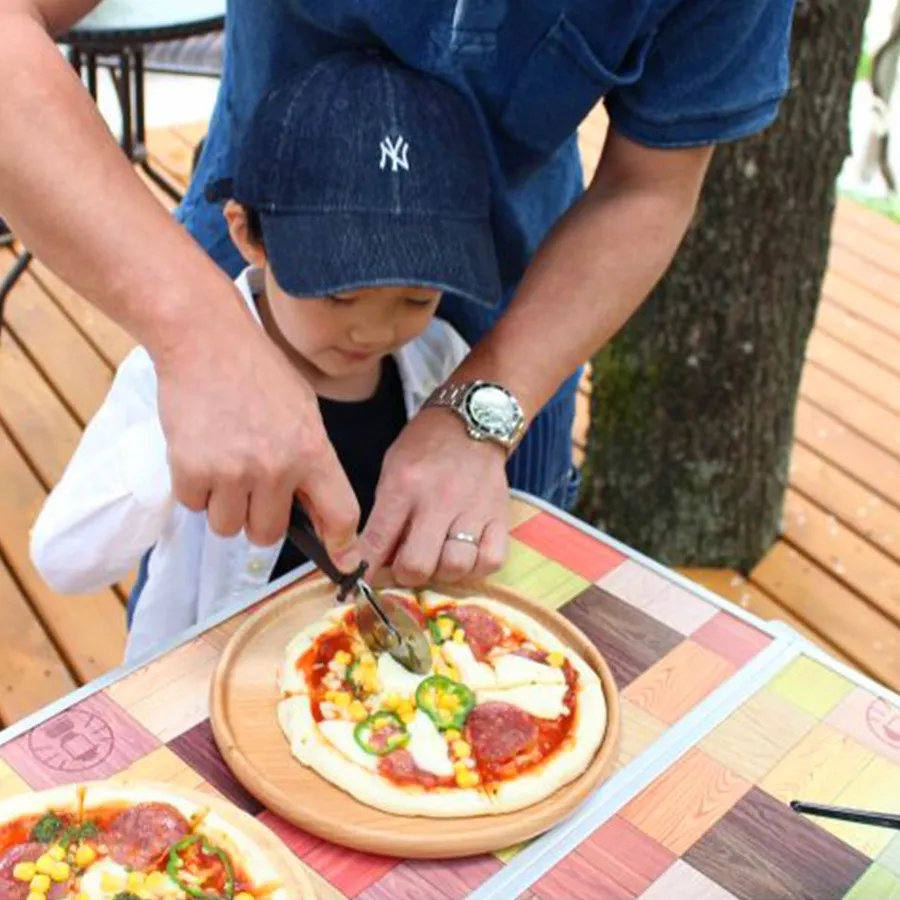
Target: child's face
350 333
344 335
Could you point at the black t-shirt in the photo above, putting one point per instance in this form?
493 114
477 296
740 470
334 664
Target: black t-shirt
361 432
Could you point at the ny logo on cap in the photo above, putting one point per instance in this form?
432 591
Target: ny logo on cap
395 152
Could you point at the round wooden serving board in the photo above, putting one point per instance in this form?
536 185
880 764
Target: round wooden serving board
243 713
290 869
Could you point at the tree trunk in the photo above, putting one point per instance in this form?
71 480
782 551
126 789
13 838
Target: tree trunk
693 403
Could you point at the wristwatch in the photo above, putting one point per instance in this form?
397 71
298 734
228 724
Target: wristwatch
490 411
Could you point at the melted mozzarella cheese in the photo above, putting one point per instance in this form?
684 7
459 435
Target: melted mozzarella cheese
428 747
519 670
539 700
394 679
340 733
473 673
105 872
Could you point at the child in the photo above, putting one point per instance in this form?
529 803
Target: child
360 194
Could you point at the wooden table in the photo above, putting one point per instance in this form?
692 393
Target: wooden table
725 719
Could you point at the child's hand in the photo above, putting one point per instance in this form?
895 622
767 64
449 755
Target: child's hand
245 435
437 482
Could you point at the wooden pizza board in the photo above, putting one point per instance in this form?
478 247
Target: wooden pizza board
243 705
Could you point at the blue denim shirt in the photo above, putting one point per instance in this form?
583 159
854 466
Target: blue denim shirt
675 73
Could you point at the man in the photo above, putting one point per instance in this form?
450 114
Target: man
678 76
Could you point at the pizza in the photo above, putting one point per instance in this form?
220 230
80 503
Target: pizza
106 842
506 716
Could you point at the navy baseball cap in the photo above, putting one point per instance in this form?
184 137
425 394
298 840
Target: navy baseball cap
364 173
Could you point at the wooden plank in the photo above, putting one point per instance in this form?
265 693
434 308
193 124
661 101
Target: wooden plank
111 342
849 451
872 248
43 429
737 590
191 133
172 155
850 558
89 630
848 501
863 337
868 220
843 618
68 361
864 415
32 673
841 360
847 265
862 302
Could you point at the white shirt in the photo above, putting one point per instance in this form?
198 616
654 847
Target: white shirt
114 501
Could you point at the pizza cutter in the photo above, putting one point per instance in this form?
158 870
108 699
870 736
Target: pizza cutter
383 623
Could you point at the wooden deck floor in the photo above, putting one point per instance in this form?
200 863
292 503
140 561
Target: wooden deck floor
834 574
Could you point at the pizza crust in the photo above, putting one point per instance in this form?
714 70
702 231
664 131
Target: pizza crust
58 800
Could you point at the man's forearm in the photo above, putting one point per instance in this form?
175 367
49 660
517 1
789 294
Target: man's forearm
590 275
71 196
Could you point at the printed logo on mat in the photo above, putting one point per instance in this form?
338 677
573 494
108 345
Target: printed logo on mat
72 742
884 722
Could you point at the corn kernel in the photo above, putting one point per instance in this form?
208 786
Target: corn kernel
343 657
407 717
82 896
155 880
461 749
392 701
243 895
135 881
44 862
459 636
329 696
358 711
453 673
85 855
367 660
24 871
556 659
34 895
60 871
111 883
342 699
452 735
40 883
445 627
56 852
445 701
466 778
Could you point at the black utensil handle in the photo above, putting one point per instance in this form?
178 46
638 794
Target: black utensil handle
844 814
302 533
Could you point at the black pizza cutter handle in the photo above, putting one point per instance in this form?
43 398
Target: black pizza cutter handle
302 535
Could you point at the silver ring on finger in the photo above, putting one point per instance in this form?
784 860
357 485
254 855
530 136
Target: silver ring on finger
465 537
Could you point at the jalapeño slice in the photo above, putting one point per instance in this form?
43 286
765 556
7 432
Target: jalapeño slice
440 634
446 702
381 733
174 868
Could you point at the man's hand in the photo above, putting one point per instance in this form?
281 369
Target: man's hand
436 481
245 435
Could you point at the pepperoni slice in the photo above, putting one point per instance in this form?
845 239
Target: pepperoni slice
410 606
140 837
499 731
399 766
11 888
483 631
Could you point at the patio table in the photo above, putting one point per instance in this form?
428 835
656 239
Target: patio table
725 720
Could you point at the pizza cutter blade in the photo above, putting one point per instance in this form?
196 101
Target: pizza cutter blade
384 624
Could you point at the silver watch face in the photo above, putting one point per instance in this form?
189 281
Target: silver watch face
493 411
